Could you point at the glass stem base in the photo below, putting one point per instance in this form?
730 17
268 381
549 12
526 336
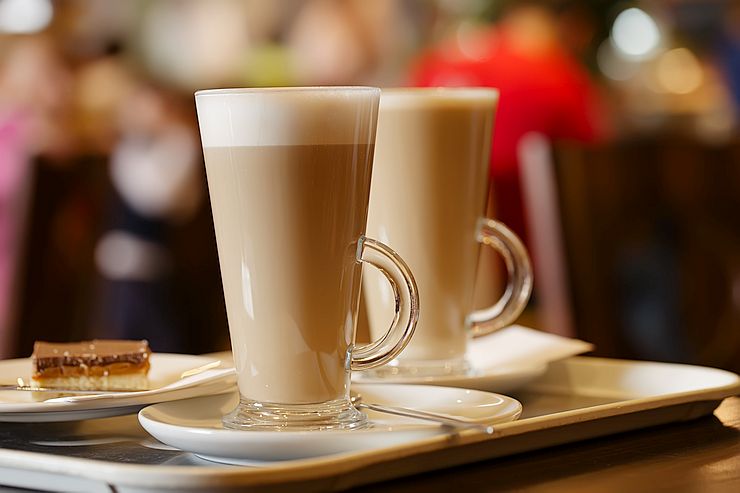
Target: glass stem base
268 416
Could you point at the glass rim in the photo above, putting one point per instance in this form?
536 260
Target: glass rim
474 93
233 91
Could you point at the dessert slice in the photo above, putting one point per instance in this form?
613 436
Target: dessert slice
91 365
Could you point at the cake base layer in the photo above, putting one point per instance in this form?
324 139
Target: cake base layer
110 382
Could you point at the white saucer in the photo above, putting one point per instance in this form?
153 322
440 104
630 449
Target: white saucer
194 425
500 362
166 369
502 379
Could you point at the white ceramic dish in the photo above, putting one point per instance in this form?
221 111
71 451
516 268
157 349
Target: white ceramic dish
501 362
195 425
502 379
166 369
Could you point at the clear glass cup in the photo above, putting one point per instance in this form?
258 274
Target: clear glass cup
289 174
430 185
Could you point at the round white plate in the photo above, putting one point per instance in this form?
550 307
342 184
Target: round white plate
20 406
502 379
195 425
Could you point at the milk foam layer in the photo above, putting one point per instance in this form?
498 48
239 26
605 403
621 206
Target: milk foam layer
287 116
438 98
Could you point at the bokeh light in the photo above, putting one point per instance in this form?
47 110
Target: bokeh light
635 34
25 16
678 71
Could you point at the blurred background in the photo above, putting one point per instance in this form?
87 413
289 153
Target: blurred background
616 155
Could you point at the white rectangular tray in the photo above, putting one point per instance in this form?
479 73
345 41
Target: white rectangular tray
576 399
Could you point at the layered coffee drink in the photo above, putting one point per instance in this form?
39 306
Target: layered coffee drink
283 216
289 179
429 192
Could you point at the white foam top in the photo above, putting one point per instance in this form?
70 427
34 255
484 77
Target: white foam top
438 97
287 116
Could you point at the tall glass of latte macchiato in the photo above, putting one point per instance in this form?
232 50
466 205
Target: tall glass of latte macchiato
428 198
289 178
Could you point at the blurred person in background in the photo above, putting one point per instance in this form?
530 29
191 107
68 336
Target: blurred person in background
34 94
156 175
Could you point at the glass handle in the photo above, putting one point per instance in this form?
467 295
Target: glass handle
403 285
519 286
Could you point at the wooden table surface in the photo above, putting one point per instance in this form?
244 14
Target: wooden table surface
698 456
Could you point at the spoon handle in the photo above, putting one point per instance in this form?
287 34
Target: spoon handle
419 414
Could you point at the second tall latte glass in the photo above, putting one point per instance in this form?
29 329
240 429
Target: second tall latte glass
428 198
289 179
